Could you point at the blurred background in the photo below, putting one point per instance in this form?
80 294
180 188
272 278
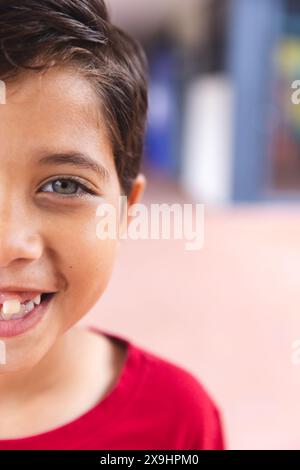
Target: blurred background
222 131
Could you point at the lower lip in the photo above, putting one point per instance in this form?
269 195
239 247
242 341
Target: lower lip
9 328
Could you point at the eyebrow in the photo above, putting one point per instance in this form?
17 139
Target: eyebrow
78 160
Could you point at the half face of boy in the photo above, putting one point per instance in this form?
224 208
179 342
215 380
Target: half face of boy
56 167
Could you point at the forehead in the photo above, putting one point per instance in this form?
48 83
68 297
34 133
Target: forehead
58 86
57 107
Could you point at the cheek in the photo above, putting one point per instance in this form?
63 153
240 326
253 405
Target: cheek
86 263
88 277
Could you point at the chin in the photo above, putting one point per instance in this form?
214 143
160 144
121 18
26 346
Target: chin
20 360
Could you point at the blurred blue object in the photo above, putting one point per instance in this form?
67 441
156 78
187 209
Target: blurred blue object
254 27
163 136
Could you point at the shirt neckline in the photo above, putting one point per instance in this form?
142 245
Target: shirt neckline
119 396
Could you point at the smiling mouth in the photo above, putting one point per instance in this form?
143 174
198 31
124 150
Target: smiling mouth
15 310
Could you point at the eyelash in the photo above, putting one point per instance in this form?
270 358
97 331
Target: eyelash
83 186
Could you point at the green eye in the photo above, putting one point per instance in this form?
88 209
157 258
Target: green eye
66 187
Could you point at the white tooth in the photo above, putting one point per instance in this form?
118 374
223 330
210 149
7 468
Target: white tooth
6 316
22 310
10 307
37 299
29 306
14 316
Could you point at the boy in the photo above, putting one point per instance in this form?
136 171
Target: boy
74 115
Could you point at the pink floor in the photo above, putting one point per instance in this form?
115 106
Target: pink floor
228 313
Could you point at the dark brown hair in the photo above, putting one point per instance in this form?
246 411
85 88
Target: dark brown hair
37 34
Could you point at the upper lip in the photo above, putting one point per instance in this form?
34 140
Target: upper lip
24 289
22 294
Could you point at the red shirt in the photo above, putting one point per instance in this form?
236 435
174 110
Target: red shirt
154 405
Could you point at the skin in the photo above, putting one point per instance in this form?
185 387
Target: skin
49 242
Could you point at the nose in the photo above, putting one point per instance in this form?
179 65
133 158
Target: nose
19 240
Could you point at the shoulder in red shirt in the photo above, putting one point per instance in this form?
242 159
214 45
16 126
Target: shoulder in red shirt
155 404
